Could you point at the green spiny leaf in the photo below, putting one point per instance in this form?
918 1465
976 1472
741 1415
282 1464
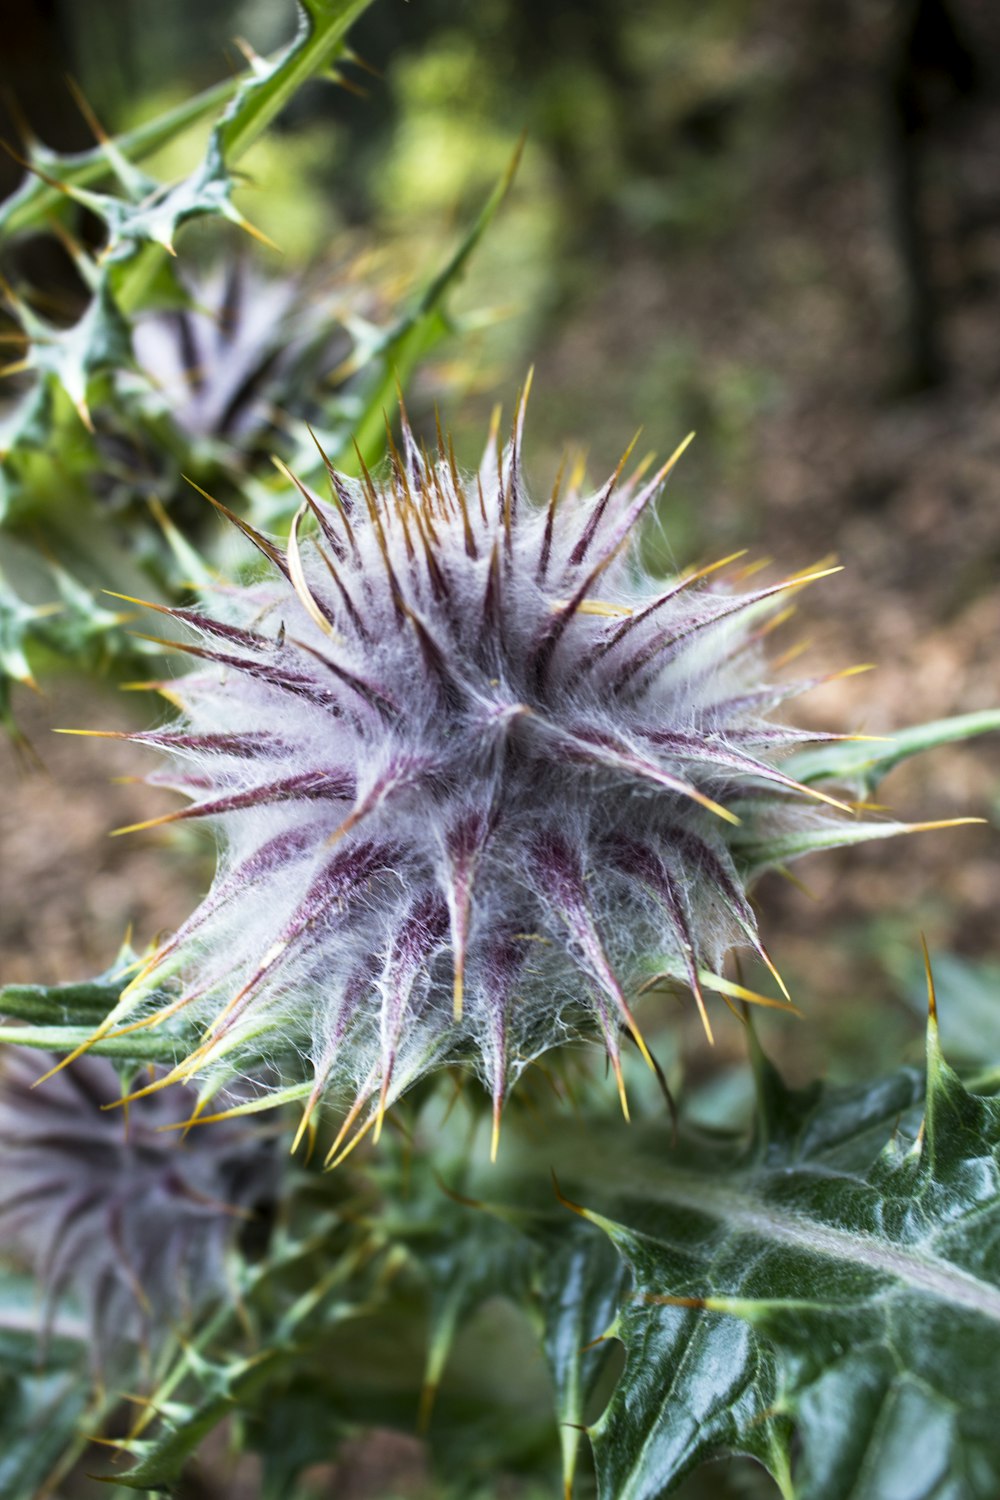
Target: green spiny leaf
814 1286
62 1017
68 358
34 202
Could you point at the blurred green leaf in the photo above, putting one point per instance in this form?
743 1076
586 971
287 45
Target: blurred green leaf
17 620
390 357
43 1396
31 206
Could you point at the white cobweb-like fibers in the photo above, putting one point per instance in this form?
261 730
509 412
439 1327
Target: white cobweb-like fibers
474 775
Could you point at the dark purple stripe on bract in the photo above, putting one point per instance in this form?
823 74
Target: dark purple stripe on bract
306 785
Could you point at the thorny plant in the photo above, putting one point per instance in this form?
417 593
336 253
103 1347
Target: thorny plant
478 781
483 790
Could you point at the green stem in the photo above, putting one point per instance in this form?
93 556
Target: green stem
313 49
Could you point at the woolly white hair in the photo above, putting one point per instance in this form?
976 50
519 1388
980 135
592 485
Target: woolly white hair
475 778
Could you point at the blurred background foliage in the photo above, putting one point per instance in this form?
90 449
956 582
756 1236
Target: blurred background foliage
776 223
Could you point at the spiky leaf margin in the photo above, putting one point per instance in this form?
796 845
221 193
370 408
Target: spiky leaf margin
826 1307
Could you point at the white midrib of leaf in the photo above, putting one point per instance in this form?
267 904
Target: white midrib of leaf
739 1210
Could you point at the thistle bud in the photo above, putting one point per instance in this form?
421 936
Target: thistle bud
476 777
112 1210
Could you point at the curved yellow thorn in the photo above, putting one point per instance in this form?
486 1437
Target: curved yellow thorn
638 1038
248 1107
163 1014
383 1095
147 969
71 1057
800 580
176 1075
797 882
458 987
495 1132
713 807
241 222
97 734
164 689
775 623
703 1015
356 1141
299 583
595 607
940 823
728 988
350 1118
161 609
778 663
810 791
932 1015
616 1065
303 1124
196 1117
159 822
695 576
763 954
855 671
828 560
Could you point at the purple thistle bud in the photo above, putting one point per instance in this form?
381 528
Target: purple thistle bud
476 777
115 1211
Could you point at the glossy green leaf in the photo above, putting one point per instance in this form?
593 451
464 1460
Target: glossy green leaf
827 1302
581 1286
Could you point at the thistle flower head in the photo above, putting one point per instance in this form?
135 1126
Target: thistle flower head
111 1210
244 348
476 776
